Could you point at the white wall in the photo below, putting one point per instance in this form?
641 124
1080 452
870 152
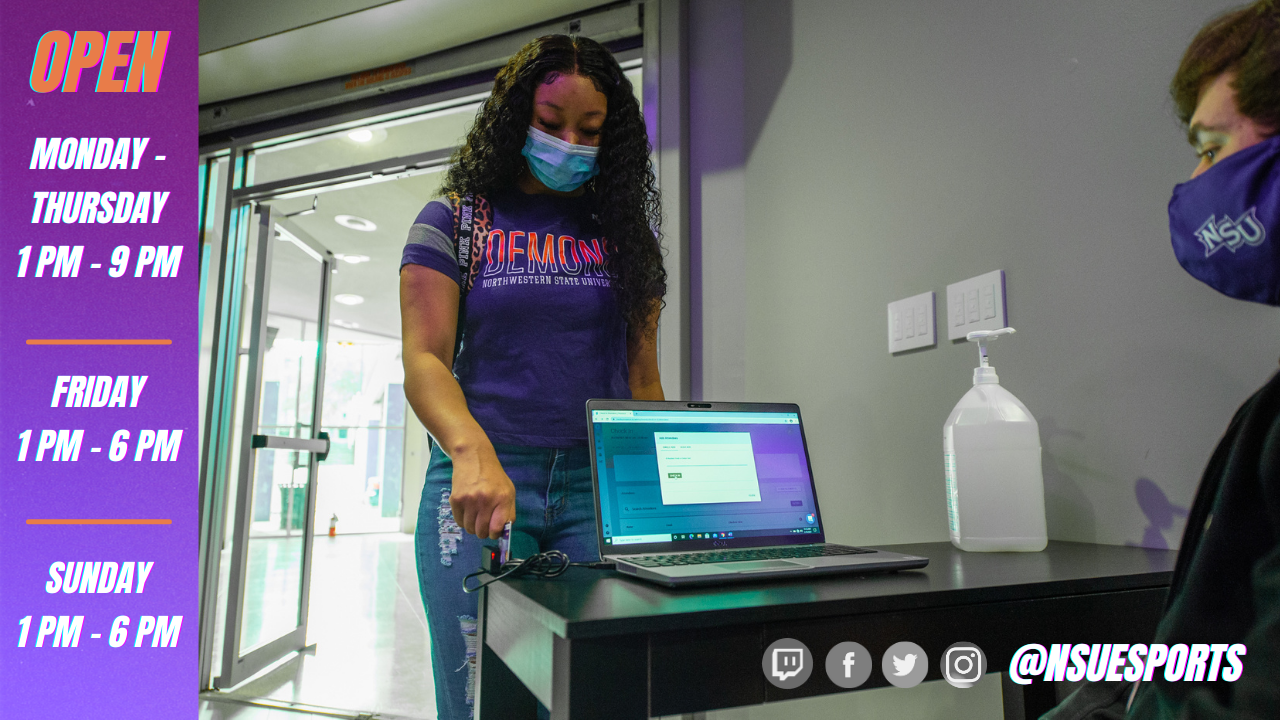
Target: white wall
844 154
847 154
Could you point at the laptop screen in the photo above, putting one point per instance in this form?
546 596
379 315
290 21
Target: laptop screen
688 476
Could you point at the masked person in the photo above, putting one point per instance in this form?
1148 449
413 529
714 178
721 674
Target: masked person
1225 225
533 285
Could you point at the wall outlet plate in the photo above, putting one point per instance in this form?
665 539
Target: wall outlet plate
911 323
976 304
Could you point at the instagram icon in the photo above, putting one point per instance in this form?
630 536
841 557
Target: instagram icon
963 664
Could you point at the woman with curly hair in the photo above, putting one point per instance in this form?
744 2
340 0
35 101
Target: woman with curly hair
547 241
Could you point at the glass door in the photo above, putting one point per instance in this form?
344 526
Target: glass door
278 449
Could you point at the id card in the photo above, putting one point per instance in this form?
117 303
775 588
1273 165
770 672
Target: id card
504 546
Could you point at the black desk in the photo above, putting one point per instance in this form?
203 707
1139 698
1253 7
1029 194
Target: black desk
595 644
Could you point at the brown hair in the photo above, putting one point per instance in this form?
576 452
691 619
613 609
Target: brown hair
1245 41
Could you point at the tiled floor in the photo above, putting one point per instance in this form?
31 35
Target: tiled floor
372 652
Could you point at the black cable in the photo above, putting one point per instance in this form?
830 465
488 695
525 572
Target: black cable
549 564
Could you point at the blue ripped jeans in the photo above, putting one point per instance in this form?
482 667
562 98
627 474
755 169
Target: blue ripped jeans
554 505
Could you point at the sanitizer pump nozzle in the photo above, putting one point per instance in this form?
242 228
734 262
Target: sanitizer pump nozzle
984 373
991 459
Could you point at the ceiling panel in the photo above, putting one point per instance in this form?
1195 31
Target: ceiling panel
224 23
360 40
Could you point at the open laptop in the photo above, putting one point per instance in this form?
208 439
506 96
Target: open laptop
701 492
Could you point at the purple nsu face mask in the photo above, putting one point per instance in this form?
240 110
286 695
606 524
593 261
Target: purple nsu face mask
1225 223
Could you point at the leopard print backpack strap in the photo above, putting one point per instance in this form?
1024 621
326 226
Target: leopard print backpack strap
481 222
472 217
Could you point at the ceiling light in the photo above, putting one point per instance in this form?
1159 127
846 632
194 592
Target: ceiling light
348 299
354 259
362 135
355 223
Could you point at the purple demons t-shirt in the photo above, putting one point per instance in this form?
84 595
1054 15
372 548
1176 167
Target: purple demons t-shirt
542 332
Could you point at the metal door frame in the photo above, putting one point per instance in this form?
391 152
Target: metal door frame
236 668
218 425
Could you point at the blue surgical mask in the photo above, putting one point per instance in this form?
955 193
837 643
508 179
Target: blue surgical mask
1225 223
560 166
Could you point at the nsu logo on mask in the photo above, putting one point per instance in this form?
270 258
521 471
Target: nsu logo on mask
1230 234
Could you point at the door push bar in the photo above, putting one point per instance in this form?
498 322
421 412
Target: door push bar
319 445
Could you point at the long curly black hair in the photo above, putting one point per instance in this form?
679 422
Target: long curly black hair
625 192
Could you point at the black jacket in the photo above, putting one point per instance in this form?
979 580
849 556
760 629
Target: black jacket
1226 585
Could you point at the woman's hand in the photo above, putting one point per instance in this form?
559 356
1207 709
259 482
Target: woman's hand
483 498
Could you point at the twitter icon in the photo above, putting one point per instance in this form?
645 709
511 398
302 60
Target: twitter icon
904 664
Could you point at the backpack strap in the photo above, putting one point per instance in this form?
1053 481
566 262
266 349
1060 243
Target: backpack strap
471 221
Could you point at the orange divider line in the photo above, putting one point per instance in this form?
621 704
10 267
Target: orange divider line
96 341
97 521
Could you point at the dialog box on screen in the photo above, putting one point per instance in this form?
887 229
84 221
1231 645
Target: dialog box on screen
706 467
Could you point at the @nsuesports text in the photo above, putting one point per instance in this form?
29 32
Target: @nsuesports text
1180 662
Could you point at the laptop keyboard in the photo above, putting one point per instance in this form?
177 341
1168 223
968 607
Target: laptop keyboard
767 553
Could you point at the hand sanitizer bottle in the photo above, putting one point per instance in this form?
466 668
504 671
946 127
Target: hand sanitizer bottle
991 446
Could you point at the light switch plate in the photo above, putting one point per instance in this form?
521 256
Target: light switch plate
976 304
911 323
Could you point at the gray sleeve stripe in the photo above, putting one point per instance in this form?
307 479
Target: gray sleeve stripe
431 236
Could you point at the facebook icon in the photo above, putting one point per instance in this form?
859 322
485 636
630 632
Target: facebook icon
848 664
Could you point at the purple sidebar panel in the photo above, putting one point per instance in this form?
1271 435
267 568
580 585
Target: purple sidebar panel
99 440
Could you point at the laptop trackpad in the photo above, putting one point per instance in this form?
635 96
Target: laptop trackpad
753 566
